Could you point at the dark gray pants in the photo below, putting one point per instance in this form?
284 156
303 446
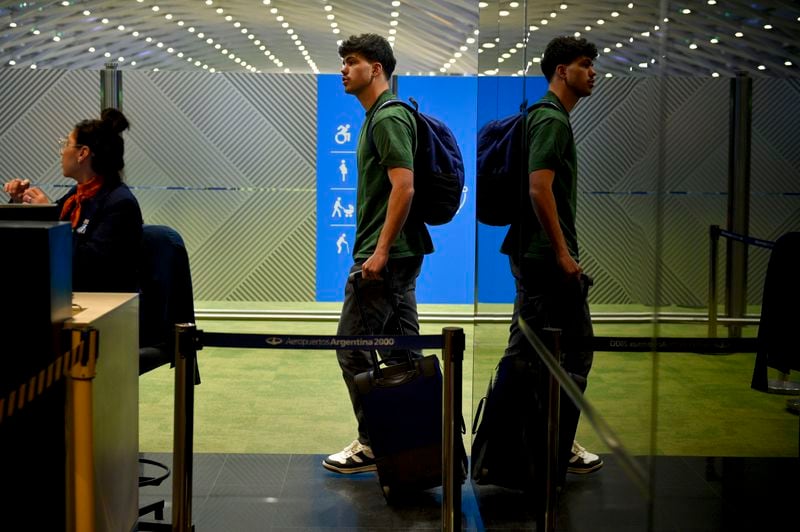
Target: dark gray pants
546 299
377 308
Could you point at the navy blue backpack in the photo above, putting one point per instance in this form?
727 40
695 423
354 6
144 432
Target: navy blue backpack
438 167
501 167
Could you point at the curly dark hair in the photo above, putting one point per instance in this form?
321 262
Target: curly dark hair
103 137
373 48
563 51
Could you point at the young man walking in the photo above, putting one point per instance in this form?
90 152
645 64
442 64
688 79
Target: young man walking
389 247
543 244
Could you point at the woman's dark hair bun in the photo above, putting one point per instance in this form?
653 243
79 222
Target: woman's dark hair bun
114 120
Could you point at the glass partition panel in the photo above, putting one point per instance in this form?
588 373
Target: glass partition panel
616 227
500 60
727 104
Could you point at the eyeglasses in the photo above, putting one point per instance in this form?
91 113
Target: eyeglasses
63 144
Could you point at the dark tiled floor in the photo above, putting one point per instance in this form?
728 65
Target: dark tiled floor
293 492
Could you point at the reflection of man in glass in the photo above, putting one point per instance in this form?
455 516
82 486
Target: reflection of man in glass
385 239
543 245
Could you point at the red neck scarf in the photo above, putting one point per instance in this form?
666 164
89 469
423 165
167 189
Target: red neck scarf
72 207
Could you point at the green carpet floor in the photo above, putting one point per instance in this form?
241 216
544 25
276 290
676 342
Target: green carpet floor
274 401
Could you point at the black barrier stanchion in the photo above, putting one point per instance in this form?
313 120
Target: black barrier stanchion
452 360
713 234
186 345
553 410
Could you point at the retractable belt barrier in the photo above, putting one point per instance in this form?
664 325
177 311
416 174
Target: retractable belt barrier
294 341
715 232
451 341
34 386
745 239
706 346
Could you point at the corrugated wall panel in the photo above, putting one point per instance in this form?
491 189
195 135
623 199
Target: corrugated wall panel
253 139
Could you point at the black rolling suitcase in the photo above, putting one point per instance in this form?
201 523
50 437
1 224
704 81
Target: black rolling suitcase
509 431
402 402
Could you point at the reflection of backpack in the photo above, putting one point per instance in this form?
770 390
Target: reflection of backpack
502 159
438 167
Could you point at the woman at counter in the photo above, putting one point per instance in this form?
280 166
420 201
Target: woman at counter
105 216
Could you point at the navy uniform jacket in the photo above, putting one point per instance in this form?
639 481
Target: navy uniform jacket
106 241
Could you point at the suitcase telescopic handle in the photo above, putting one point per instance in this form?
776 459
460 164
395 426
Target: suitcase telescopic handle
355 278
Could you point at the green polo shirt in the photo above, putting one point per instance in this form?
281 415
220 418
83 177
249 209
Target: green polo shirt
394 135
551 146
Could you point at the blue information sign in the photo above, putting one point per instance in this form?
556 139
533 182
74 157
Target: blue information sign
339 118
499 97
449 273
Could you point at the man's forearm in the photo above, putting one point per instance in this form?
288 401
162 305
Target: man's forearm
544 205
397 210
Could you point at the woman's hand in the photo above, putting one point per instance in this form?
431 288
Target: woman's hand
16 188
34 195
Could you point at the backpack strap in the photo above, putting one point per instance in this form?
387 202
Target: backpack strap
388 103
552 105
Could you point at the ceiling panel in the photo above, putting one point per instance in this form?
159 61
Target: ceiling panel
439 37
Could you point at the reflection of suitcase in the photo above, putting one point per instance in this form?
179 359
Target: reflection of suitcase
510 428
402 404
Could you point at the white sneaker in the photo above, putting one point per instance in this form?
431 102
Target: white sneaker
582 461
355 458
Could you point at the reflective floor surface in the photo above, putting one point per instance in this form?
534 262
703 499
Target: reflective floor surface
254 492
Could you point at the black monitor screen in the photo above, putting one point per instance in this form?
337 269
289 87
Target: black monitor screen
37 212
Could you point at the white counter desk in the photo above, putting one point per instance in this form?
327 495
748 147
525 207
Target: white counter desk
103 413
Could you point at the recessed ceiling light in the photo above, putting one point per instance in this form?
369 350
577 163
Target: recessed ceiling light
739 34
715 74
767 26
787 63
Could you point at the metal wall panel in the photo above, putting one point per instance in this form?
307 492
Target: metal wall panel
229 161
241 149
